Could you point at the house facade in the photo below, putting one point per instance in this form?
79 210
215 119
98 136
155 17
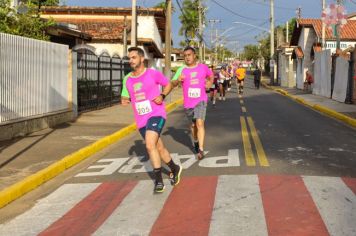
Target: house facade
307 38
107 27
286 68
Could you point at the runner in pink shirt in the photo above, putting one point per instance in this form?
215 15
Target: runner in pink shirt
142 88
195 78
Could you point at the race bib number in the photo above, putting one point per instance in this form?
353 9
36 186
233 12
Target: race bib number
194 92
143 107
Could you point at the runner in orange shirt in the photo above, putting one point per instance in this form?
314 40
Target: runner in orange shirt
240 75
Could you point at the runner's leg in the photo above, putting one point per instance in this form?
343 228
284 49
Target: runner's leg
151 139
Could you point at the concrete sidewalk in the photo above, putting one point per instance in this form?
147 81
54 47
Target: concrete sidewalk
335 109
346 109
22 157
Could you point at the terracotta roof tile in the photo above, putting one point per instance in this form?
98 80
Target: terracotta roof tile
348 32
98 29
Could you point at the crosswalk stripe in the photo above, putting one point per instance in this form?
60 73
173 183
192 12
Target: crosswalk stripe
92 211
238 207
213 205
289 208
47 210
137 213
336 203
351 183
188 208
249 157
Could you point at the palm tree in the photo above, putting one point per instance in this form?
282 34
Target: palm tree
190 21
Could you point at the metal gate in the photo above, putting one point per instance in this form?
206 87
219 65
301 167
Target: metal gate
99 79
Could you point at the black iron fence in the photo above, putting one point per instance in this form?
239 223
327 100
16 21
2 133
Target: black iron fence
99 79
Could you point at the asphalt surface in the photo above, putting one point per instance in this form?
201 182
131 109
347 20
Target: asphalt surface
257 133
296 140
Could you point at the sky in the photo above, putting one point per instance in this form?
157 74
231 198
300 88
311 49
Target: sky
252 12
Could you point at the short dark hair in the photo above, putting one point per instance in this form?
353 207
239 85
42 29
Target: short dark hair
189 48
138 50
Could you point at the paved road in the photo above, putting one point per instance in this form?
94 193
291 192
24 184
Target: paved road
273 167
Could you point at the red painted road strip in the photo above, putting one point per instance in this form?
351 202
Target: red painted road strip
188 208
289 208
351 183
87 216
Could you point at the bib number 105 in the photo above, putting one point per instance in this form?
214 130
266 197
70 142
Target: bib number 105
143 107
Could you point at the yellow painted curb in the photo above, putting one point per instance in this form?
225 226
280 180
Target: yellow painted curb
336 115
348 120
31 182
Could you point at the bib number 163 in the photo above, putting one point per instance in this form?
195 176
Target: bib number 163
194 92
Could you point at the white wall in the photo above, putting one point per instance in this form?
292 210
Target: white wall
322 75
300 74
112 48
147 28
341 79
343 45
306 41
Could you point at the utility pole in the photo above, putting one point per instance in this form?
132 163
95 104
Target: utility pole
125 37
272 40
213 22
167 59
134 25
287 33
200 31
323 3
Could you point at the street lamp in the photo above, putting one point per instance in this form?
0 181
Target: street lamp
254 26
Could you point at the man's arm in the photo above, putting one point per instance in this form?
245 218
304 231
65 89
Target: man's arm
166 90
125 96
178 77
125 101
209 81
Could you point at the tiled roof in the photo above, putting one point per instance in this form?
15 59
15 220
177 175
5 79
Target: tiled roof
99 29
158 13
348 31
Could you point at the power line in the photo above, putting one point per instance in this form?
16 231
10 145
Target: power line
236 14
267 5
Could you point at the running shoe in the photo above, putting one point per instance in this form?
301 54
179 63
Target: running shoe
159 187
201 155
175 176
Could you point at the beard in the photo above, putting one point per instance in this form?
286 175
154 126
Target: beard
135 66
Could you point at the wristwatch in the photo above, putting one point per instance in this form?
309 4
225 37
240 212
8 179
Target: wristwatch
163 96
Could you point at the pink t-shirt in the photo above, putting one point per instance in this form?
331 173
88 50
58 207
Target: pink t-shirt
194 84
142 90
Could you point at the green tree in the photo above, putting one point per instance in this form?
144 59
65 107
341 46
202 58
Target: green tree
44 2
190 22
251 52
163 5
26 24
